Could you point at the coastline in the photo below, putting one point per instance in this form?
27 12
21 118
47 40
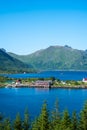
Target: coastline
52 86
70 87
43 83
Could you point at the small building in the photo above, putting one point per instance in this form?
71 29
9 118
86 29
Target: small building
18 81
84 80
44 84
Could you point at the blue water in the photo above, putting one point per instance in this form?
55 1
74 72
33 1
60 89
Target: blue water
17 99
62 75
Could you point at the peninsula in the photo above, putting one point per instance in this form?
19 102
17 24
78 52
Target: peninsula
41 83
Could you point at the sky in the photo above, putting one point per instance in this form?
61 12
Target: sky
29 25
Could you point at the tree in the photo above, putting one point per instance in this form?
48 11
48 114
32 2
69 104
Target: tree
58 80
26 120
35 125
83 118
66 121
7 124
1 116
74 125
17 123
43 119
55 118
1 122
52 78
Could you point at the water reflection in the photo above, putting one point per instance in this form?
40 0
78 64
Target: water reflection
42 90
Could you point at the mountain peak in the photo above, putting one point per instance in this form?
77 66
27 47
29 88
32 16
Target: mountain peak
57 46
66 46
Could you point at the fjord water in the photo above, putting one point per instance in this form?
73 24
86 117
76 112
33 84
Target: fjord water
62 75
14 100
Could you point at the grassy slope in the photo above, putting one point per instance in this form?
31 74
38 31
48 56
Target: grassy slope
10 64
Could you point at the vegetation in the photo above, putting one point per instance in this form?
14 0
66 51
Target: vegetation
47 120
4 81
9 64
51 58
56 58
56 83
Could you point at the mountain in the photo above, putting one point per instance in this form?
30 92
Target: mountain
56 58
10 64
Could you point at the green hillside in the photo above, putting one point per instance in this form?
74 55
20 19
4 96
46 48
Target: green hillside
56 58
10 64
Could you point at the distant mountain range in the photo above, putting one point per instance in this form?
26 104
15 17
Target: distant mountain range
55 58
11 64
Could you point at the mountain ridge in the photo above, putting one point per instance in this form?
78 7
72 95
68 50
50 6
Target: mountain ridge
56 58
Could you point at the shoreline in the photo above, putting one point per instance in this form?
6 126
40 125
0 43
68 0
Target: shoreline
52 86
70 87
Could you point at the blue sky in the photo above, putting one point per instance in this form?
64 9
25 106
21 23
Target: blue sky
30 25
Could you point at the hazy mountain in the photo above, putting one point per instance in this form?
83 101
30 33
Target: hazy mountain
10 64
56 58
